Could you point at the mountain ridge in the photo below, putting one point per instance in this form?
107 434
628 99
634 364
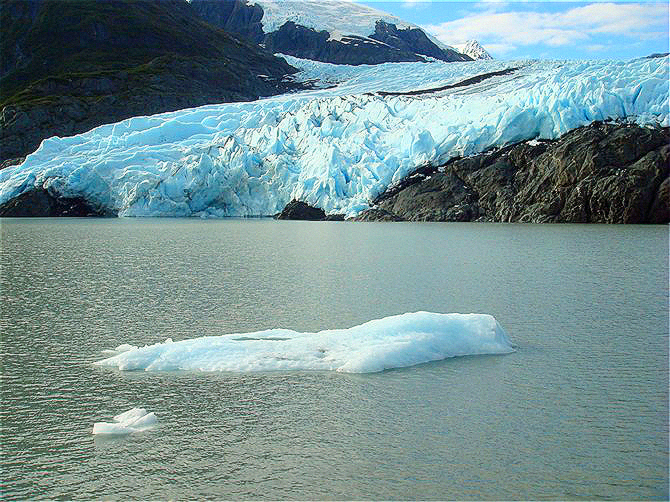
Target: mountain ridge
334 31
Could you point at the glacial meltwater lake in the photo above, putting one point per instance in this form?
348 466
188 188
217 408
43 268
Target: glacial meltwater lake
579 411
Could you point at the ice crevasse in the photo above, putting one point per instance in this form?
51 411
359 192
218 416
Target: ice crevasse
333 148
392 342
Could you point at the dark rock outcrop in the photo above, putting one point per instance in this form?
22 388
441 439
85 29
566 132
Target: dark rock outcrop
601 173
38 202
68 66
307 43
236 17
660 208
376 214
463 83
12 162
298 210
414 40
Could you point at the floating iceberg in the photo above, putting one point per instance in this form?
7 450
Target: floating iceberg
392 342
333 148
135 420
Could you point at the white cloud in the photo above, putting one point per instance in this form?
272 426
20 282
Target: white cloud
500 49
617 18
416 4
491 5
577 25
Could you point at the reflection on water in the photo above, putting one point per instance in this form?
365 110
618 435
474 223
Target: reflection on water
579 411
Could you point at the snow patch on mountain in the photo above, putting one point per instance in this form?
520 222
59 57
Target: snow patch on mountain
338 17
388 77
473 49
333 148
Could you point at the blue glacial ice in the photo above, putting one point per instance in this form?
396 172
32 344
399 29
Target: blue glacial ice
392 342
334 148
134 420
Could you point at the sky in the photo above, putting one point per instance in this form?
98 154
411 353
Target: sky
545 30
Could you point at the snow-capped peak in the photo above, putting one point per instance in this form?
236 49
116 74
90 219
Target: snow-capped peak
473 49
338 17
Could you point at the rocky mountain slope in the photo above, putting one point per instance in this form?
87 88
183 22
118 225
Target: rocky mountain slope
602 173
68 66
332 31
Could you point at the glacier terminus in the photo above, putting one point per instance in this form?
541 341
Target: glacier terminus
338 146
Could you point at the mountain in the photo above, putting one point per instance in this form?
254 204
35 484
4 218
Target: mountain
473 49
68 66
331 31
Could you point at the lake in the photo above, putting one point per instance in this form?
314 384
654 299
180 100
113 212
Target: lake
579 411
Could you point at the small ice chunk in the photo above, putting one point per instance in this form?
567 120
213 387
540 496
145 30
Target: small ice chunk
134 420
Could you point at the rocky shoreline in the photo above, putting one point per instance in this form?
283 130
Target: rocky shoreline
601 173
39 202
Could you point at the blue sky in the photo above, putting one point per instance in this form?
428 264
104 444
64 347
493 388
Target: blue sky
547 30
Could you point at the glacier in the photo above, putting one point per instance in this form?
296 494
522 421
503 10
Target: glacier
133 420
392 342
335 147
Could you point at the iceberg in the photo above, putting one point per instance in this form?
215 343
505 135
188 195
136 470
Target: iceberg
134 420
335 148
392 342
